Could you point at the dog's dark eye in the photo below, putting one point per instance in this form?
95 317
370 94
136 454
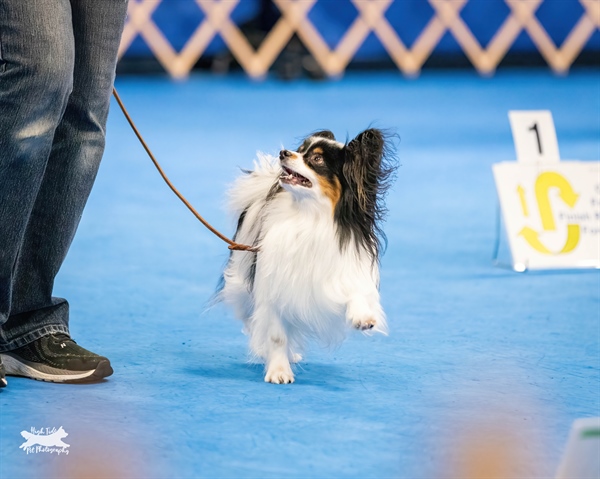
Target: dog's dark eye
317 159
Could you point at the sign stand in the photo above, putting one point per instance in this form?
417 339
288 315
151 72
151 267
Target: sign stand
500 247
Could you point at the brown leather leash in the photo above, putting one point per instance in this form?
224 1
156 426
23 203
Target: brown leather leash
232 244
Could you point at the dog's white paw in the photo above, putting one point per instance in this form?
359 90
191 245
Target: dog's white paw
279 374
364 324
365 316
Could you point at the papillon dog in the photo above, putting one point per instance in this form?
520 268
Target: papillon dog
314 216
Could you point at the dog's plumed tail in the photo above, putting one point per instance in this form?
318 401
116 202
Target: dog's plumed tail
254 186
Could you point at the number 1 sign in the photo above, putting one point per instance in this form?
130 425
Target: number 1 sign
534 136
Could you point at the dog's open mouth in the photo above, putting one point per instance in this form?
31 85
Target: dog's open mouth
292 178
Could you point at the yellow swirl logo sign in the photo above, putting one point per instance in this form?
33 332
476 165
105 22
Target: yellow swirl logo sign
544 183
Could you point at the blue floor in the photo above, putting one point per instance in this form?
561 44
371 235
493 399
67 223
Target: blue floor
474 351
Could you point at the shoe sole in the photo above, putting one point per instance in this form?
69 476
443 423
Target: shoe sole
3 382
26 369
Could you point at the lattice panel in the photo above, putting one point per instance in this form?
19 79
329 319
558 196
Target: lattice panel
294 19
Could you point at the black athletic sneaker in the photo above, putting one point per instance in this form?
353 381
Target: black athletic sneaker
56 358
2 375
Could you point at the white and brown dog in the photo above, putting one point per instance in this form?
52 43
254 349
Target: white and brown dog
314 215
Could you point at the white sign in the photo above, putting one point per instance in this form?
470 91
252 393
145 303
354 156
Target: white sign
582 456
534 136
551 213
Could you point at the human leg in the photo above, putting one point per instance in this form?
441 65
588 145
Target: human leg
34 337
36 71
71 170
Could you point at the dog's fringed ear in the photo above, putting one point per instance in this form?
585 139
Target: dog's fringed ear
362 167
367 172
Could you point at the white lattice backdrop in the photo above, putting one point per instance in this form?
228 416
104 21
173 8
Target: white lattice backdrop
294 20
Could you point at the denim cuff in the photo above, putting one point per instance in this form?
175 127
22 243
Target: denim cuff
33 336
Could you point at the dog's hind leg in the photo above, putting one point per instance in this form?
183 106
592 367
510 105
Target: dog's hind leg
269 340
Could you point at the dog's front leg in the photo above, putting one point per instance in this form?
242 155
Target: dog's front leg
269 337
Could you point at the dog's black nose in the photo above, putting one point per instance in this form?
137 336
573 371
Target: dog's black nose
284 154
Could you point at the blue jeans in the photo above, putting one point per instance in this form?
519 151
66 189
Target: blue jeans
57 67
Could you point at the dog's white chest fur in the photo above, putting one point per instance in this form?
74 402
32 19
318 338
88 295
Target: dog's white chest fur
300 264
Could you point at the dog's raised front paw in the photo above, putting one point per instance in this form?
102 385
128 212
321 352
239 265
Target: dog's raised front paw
364 324
365 315
279 374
